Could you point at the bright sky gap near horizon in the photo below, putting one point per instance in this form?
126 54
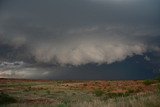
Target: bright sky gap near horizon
79 39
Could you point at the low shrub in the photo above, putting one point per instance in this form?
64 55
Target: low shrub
6 99
84 84
98 92
148 82
48 92
158 88
130 91
157 78
63 105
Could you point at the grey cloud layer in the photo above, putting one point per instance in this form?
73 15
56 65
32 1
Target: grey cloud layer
82 31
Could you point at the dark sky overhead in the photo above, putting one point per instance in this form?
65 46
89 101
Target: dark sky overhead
79 39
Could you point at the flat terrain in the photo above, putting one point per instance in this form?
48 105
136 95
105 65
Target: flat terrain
79 93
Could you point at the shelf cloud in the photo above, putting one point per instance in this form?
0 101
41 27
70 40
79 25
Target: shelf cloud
78 32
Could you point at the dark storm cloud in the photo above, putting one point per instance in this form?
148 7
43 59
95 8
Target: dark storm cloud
80 31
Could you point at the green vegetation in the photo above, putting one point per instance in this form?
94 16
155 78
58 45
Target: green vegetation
158 88
148 82
48 92
6 99
130 91
157 78
98 92
63 105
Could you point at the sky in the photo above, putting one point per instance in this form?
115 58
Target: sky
79 39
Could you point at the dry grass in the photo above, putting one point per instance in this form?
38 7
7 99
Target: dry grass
31 93
150 100
131 101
